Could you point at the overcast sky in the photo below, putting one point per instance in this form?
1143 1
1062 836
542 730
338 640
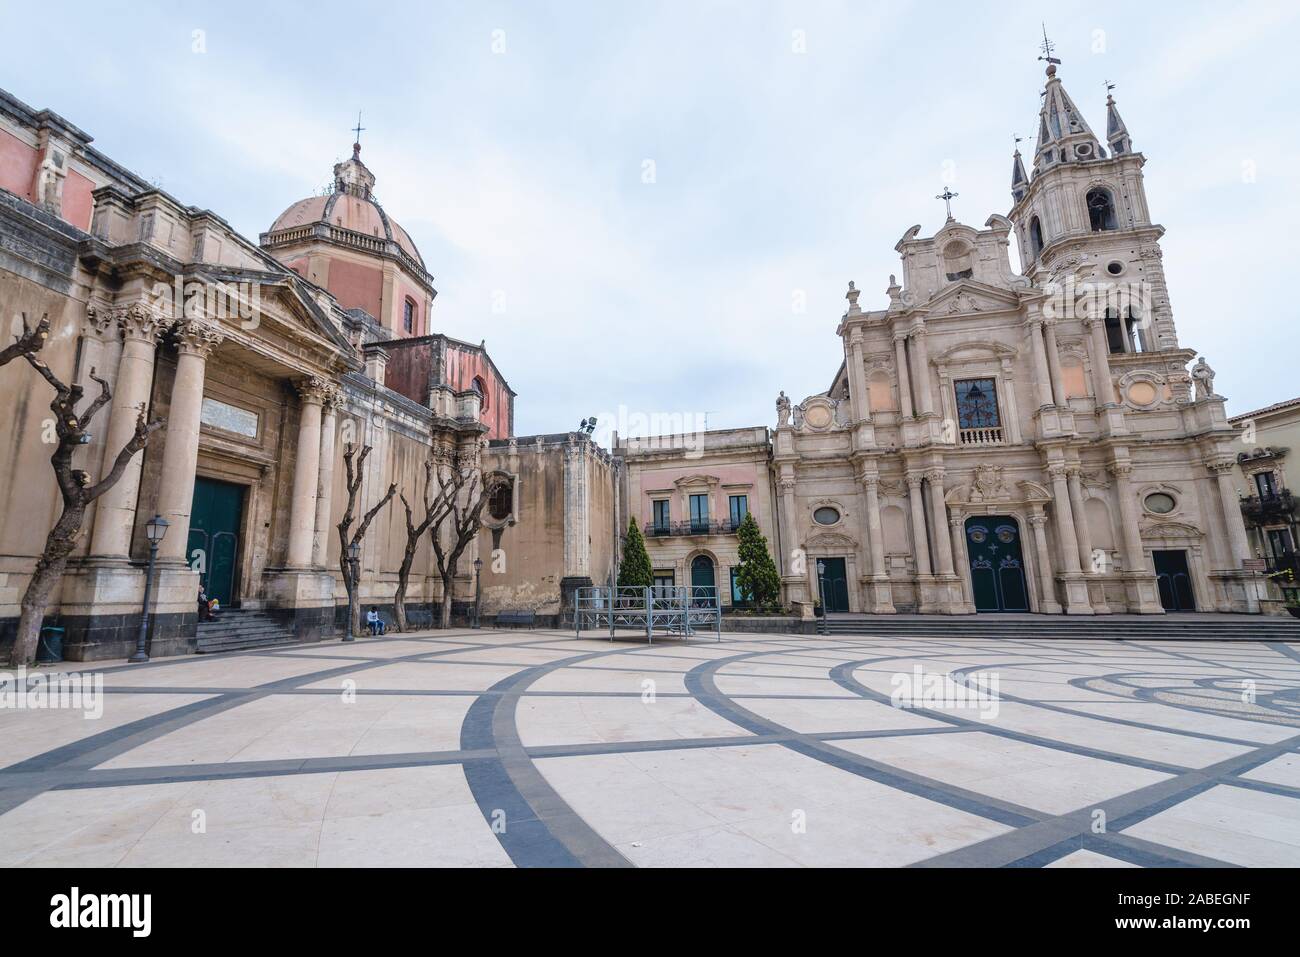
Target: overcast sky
789 145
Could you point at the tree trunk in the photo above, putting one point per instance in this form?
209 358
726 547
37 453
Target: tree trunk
448 589
49 569
403 575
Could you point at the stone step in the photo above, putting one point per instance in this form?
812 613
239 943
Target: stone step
1125 628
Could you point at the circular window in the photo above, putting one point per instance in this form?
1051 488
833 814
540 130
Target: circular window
1159 502
1115 268
826 515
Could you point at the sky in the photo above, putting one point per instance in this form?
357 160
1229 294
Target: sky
655 208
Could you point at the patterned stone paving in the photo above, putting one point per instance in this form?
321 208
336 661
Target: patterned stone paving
492 749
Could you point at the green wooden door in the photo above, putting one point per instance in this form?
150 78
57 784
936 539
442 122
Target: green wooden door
997 567
835 584
1174 580
214 536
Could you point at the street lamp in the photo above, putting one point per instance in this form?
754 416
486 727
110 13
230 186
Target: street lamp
478 588
821 585
154 530
354 571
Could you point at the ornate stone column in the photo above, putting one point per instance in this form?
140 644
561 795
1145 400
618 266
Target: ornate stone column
1082 534
325 484
1054 363
1042 376
1064 519
1239 544
882 597
141 328
904 379
858 392
1102 387
939 509
1144 598
920 537
960 557
195 341
306 472
1047 602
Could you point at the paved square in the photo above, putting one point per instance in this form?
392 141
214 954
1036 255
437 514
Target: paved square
493 749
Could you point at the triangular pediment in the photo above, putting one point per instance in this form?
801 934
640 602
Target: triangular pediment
967 296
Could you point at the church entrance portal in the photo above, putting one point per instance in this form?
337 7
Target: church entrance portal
214 536
997 567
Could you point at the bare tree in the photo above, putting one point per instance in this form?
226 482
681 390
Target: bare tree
464 511
435 508
74 486
31 341
355 475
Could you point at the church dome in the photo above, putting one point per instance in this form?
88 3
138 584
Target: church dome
351 205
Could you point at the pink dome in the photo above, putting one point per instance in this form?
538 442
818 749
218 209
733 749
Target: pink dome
351 205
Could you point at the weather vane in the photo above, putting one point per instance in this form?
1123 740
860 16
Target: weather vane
1048 48
948 196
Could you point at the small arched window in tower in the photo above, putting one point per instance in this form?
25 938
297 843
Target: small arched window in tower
480 387
1035 238
408 316
1101 210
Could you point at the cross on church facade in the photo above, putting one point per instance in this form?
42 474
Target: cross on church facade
948 196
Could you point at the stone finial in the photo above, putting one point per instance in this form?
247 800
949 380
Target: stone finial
852 297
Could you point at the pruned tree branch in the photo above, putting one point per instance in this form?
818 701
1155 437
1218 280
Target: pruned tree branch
31 341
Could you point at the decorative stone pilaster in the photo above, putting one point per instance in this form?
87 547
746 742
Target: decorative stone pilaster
921 353
1239 545
939 509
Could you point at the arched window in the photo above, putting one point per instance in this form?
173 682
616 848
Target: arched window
480 387
408 316
1035 238
958 261
1101 210
1126 334
501 501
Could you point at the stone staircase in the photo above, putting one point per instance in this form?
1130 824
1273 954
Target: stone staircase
238 630
1178 627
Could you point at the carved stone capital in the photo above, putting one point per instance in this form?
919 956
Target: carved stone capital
143 323
313 389
1121 470
914 480
195 337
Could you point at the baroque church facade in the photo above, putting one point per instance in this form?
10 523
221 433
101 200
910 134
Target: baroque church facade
1003 441
267 361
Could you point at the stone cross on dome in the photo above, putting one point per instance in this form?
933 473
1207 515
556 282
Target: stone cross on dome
356 144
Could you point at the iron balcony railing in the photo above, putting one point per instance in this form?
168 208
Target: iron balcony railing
1264 508
701 527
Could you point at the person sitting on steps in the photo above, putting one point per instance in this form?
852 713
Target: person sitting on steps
375 623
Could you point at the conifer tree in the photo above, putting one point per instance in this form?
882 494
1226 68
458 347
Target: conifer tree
635 570
756 575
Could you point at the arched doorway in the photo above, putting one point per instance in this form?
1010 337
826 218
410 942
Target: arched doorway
997 566
703 577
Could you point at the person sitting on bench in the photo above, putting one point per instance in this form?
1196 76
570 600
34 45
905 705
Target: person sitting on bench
375 622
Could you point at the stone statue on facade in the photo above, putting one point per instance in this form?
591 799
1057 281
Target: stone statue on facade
1203 376
782 410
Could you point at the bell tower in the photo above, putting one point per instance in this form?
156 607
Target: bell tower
1081 217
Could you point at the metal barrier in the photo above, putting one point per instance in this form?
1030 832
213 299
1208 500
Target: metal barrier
682 610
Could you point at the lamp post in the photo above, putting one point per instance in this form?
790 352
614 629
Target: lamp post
154 529
821 586
478 588
354 571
